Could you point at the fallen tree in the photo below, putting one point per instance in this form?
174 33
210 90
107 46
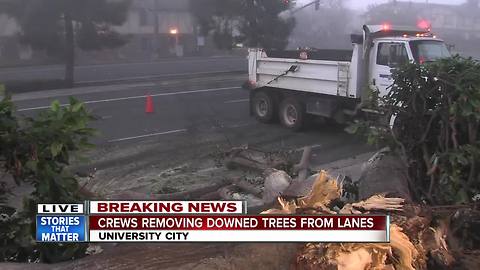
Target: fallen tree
421 237
433 114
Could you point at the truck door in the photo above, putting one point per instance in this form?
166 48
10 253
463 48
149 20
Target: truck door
390 55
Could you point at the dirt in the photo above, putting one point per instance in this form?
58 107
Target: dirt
166 167
139 168
180 256
136 168
179 162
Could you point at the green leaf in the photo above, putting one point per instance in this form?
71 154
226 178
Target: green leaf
462 197
43 187
56 148
76 107
352 129
55 107
32 165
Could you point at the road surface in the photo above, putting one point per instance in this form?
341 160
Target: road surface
107 72
188 115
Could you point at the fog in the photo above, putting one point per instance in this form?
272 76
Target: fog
363 4
455 21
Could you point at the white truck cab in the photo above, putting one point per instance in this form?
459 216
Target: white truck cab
333 83
390 53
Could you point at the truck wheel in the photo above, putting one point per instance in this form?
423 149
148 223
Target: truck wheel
292 114
263 107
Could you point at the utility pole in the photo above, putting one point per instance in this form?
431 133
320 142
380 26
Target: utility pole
251 18
156 27
69 49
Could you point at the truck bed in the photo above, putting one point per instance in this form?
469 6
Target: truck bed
330 75
327 55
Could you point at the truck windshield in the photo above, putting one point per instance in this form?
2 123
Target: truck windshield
428 50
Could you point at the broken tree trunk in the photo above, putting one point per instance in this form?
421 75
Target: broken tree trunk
254 159
232 192
302 167
247 187
386 174
276 182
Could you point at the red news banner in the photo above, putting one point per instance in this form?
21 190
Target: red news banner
224 221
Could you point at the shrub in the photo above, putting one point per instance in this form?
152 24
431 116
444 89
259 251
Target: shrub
436 129
36 152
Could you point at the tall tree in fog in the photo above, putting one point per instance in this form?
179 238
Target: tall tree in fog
256 23
329 27
56 26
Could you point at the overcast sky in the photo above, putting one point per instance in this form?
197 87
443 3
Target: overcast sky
362 4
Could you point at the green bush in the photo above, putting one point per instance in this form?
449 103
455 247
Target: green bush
437 127
36 152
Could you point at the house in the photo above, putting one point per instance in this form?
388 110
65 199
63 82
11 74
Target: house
161 28
10 48
153 29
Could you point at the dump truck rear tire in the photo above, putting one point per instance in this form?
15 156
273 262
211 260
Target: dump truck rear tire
263 107
292 114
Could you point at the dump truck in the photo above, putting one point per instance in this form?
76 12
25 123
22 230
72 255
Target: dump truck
292 86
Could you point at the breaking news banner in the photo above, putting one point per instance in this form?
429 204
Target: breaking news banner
167 207
198 221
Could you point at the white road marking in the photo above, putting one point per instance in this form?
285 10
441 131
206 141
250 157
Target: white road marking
236 101
137 97
74 91
148 135
141 85
240 125
159 76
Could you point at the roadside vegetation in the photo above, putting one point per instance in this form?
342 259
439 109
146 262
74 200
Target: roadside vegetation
436 129
35 152
252 23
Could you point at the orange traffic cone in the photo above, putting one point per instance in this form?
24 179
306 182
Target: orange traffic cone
149 105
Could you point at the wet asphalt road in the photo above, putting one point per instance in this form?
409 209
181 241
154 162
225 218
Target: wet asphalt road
187 116
106 72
